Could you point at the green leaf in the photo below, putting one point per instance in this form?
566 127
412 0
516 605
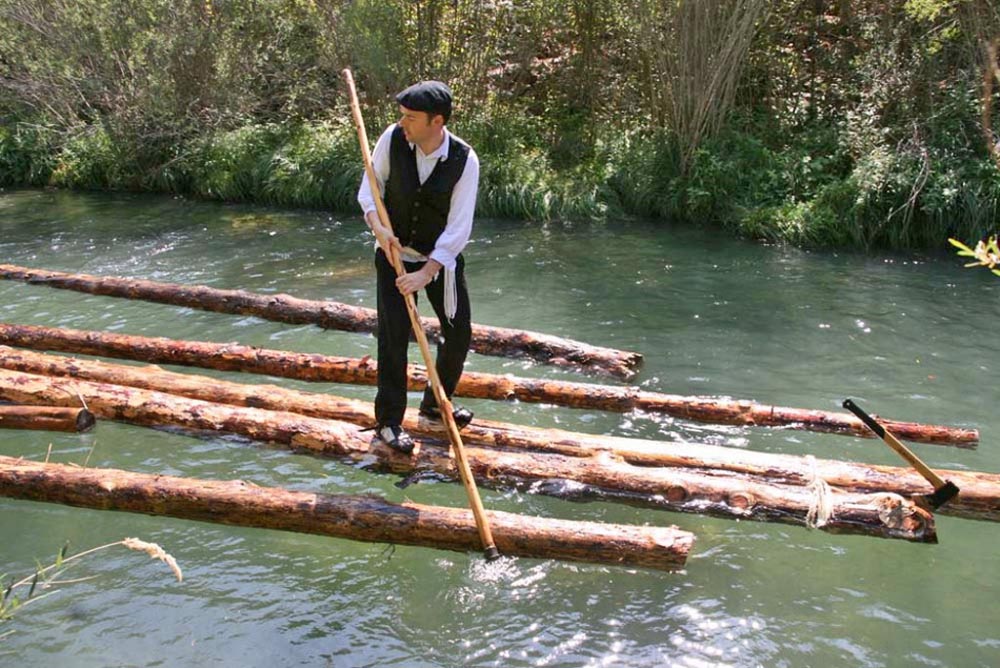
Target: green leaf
34 581
965 250
62 554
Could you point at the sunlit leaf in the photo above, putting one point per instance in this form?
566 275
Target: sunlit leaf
62 554
958 244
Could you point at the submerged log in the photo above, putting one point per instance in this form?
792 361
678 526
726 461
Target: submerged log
979 499
46 418
315 367
718 493
486 340
364 518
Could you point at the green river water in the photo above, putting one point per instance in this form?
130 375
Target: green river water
910 337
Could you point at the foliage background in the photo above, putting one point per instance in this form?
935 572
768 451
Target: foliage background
843 123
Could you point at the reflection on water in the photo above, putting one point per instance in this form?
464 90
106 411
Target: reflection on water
911 339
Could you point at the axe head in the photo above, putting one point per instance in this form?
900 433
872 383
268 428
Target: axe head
941 496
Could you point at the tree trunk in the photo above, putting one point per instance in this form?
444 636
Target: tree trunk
334 315
596 476
46 418
365 518
326 368
980 497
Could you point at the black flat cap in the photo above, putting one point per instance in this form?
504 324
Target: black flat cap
432 97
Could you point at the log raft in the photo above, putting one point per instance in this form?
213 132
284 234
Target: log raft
46 418
364 518
486 340
979 499
326 368
717 493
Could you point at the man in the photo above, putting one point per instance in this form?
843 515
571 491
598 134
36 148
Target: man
429 178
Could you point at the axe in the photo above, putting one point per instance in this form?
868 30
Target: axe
944 490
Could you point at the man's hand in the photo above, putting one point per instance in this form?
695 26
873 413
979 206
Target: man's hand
385 238
416 280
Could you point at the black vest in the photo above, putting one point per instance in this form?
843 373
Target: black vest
418 212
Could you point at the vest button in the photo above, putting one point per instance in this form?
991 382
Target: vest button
416 205
415 219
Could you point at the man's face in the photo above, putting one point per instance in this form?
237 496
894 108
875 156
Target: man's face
419 126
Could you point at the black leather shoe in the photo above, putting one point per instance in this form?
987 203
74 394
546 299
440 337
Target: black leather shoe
395 437
463 416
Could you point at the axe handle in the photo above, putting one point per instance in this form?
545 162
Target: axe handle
893 442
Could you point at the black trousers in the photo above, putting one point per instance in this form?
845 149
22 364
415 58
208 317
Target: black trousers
394 337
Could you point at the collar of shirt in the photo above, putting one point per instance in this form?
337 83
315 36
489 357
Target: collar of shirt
440 153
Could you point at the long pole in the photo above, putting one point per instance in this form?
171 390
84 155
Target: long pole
444 404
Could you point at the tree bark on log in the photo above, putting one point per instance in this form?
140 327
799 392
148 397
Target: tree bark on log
597 476
46 418
979 498
326 368
486 340
364 518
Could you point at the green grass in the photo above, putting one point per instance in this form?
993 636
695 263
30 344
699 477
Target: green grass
27 154
807 188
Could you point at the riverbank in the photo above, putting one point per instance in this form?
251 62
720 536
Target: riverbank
859 125
806 190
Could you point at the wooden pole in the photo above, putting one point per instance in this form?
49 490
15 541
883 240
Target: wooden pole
46 418
329 314
328 368
444 404
365 518
596 475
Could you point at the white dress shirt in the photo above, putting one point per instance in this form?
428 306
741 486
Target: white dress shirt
463 198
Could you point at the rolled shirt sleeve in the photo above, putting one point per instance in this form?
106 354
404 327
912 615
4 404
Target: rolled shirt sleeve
380 163
458 229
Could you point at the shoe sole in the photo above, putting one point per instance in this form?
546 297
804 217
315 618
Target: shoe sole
437 418
397 448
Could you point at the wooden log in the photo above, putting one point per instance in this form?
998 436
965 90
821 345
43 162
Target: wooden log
46 418
364 518
326 368
718 493
980 497
486 340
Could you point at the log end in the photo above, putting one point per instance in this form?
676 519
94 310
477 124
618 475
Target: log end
85 420
905 518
